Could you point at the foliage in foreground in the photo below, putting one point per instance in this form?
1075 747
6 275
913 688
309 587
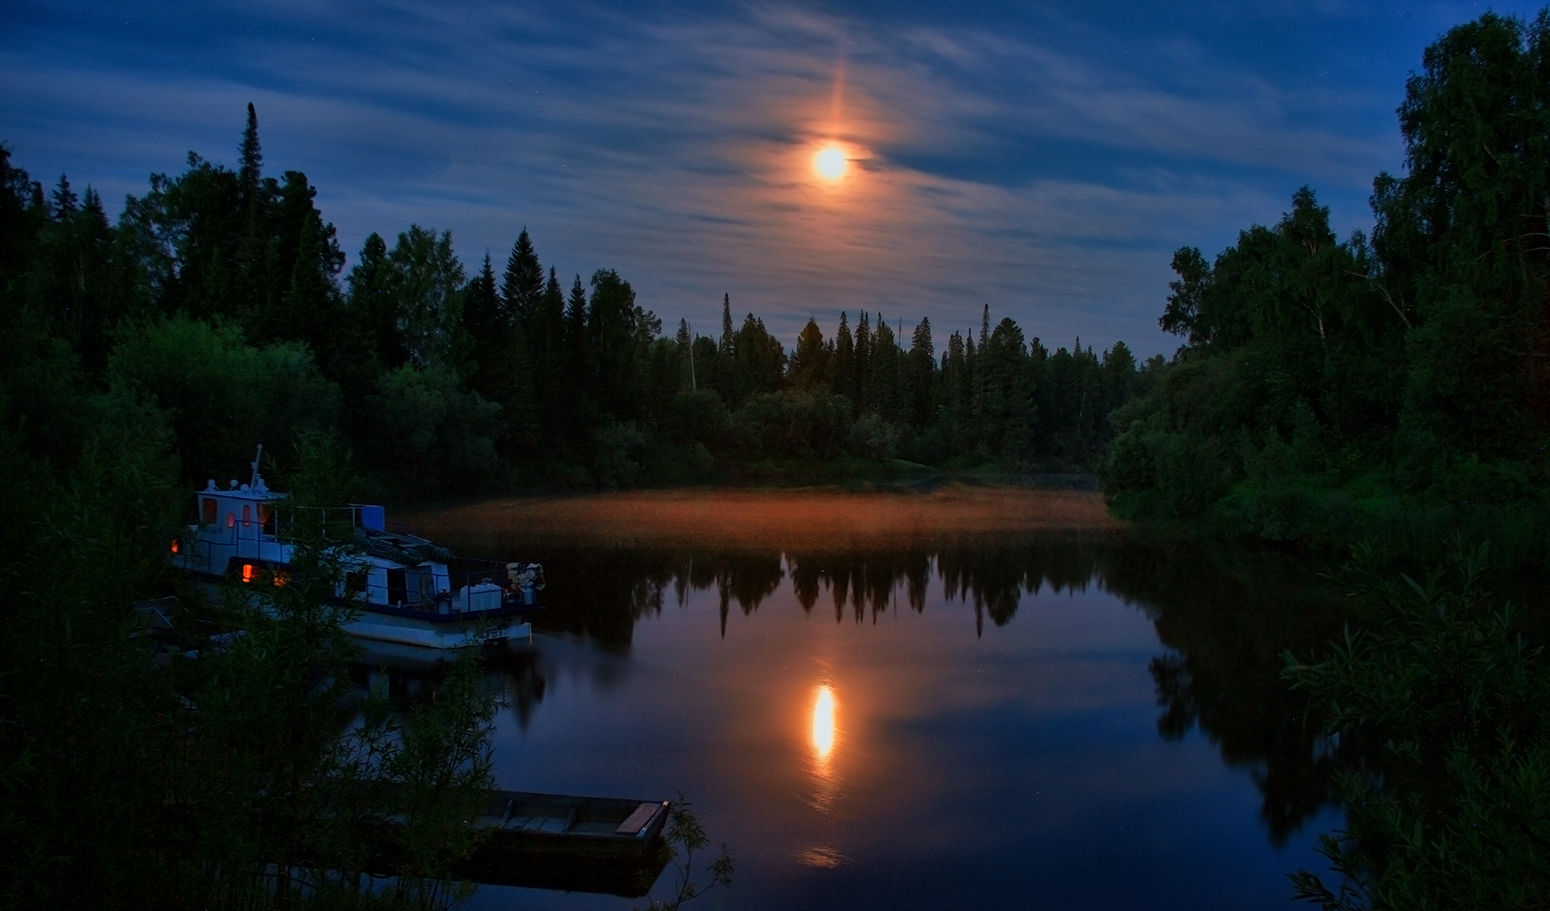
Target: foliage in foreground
686 835
236 778
1444 713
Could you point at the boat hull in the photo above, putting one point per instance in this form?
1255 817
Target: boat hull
418 629
556 841
386 628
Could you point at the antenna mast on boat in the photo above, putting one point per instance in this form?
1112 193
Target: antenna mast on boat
256 459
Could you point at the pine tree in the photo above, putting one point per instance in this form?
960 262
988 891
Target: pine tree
64 199
843 381
252 161
882 382
920 375
488 334
522 286
550 356
726 346
578 345
863 362
810 360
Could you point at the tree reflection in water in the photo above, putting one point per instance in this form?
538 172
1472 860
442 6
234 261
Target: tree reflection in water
1223 616
1227 615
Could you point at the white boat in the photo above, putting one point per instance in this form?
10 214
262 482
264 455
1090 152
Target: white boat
408 591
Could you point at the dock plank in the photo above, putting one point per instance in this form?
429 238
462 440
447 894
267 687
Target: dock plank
638 819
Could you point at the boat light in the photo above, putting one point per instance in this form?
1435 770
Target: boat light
247 572
175 547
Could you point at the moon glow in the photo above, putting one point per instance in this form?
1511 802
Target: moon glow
830 163
823 722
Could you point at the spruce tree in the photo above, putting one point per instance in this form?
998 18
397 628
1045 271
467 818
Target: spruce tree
920 374
863 362
64 199
522 286
809 362
578 344
488 334
726 346
843 381
251 159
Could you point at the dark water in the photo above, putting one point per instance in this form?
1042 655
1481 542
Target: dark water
1063 722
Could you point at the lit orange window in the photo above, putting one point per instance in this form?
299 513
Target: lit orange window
280 578
247 572
231 520
247 514
209 507
174 545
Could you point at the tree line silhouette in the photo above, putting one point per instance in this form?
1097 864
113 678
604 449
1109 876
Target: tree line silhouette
219 302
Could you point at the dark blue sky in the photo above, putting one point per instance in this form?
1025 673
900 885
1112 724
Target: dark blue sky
1042 158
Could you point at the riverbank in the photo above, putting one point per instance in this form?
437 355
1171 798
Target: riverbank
736 518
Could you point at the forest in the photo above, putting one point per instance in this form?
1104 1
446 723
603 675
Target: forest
218 302
1391 388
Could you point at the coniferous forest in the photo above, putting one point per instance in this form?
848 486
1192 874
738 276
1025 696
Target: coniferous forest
218 301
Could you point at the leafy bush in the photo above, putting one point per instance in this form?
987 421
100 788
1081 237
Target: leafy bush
1443 713
222 395
430 434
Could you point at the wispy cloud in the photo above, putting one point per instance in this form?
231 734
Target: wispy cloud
995 166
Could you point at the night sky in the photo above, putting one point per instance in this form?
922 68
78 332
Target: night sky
1042 158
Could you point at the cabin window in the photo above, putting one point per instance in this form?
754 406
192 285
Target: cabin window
247 572
247 514
398 591
266 518
231 520
208 508
174 545
421 584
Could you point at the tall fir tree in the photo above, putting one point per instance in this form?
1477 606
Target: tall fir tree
522 285
863 362
725 346
843 381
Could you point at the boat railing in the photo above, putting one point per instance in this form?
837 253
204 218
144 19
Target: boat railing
476 582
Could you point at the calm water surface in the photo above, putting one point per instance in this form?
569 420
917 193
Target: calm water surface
1042 720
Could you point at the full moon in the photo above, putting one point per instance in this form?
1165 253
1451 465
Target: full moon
830 163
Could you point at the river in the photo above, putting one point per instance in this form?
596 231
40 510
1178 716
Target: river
962 697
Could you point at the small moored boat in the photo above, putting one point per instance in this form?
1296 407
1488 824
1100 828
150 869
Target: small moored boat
409 591
580 844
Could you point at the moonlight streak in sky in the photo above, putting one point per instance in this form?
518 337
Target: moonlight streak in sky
1043 159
